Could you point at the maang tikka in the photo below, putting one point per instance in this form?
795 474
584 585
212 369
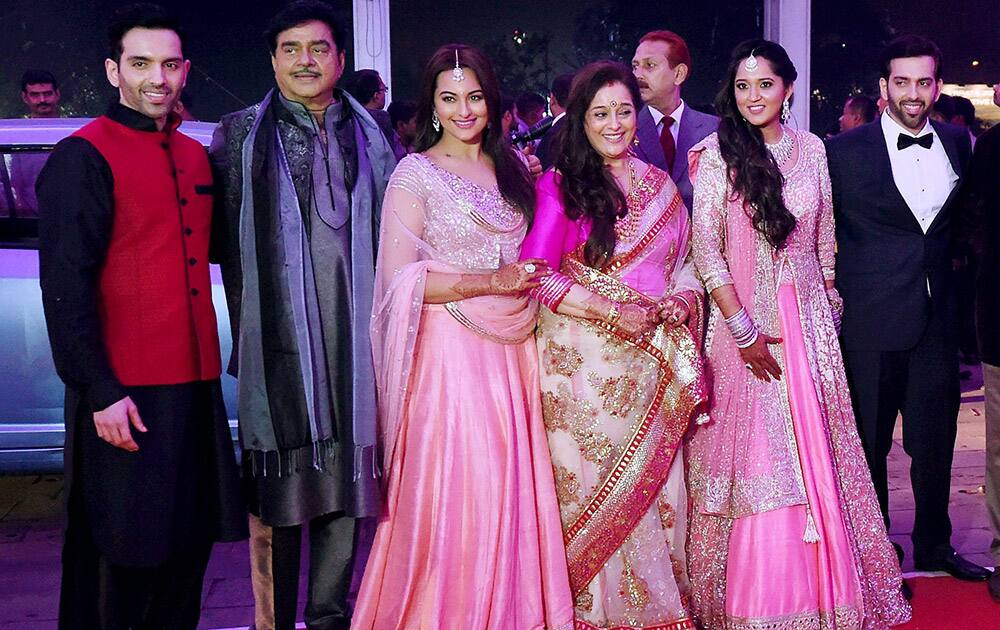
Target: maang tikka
457 73
751 62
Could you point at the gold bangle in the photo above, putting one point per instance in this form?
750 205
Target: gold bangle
614 313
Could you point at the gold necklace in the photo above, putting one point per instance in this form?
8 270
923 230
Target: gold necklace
627 226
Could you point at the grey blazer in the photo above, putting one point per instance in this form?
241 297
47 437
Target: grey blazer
695 127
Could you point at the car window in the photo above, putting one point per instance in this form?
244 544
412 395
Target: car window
18 203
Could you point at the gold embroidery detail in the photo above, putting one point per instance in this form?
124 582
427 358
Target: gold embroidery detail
667 514
560 359
569 515
840 617
595 447
585 601
668 262
567 485
616 353
633 588
619 394
678 569
554 412
565 412
456 311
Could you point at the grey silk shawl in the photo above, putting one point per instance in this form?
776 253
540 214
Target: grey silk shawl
257 425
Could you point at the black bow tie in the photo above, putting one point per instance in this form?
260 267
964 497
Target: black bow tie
906 140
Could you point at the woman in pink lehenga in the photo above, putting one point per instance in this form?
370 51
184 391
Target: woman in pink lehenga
785 526
470 538
619 386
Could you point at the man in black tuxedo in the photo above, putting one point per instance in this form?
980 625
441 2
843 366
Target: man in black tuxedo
667 126
895 184
546 150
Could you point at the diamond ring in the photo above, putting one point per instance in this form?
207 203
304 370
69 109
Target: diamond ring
530 267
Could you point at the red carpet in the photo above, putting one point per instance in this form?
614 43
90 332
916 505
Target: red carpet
944 603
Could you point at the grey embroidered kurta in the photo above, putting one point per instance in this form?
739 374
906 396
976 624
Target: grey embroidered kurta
296 224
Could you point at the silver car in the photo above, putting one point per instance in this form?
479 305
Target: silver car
31 397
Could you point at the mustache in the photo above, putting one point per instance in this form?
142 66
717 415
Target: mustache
306 71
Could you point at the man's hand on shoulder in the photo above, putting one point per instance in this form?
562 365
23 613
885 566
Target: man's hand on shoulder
113 424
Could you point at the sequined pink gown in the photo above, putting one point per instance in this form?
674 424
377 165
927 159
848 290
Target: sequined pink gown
471 538
785 527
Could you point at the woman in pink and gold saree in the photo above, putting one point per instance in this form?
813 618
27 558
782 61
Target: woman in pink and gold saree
621 371
785 527
470 536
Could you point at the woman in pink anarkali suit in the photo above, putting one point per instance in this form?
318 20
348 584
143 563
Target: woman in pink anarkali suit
621 372
470 538
785 526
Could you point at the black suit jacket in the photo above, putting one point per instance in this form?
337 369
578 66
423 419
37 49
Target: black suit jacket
981 228
547 147
695 127
884 259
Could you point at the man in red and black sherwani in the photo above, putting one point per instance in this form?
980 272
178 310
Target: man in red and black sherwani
151 474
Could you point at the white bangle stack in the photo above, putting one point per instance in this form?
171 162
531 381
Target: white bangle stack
743 329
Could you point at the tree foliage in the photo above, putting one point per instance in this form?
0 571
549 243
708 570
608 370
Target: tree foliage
521 60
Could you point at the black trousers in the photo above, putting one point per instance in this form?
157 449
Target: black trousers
922 384
331 554
98 595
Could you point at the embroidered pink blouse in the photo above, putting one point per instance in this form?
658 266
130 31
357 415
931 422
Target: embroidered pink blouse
664 270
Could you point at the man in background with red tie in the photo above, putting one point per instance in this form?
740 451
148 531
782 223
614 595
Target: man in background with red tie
667 126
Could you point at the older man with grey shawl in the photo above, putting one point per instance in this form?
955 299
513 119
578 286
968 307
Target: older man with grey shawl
302 174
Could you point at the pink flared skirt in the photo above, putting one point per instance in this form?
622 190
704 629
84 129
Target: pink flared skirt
773 574
471 538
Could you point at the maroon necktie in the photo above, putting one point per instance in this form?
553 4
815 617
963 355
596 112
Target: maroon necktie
667 142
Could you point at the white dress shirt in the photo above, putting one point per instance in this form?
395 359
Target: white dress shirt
924 177
675 128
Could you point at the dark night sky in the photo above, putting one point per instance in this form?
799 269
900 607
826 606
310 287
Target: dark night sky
966 30
224 40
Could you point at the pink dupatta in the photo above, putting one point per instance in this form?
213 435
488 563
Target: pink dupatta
404 260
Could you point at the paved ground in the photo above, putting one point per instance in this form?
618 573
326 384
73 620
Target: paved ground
31 522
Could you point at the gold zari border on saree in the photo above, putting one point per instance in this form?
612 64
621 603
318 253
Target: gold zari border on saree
681 624
617 262
840 617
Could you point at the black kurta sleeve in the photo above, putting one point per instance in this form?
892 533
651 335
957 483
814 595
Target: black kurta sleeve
76 209
221 161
